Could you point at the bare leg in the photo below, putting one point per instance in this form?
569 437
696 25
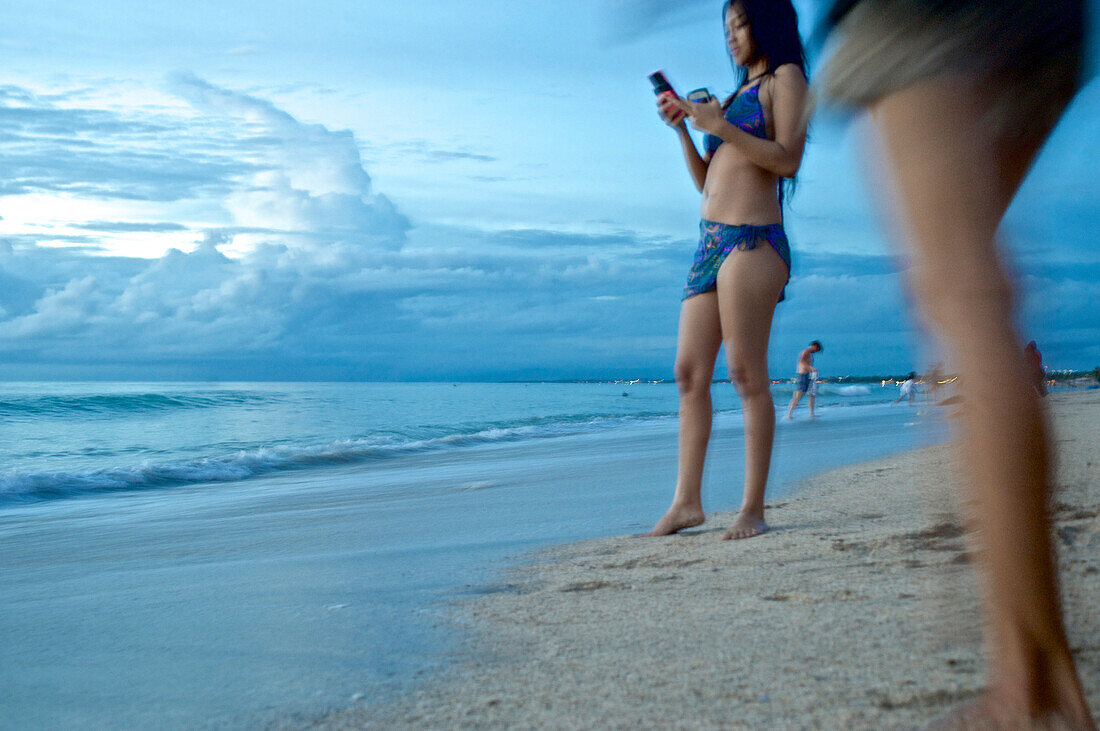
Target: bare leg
954 184
749 283
810 402
696 348
794 402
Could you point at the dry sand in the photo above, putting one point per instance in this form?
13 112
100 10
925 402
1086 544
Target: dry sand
858 610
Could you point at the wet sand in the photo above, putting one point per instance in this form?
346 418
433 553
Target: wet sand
857 610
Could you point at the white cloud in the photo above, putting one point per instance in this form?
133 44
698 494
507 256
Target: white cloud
296 262
312 179
59 312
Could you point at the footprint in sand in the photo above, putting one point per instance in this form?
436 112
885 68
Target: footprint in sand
587 586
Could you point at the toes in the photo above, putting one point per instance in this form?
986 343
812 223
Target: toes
737 533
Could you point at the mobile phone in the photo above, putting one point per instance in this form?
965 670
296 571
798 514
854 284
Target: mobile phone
661 88
661 85
699 95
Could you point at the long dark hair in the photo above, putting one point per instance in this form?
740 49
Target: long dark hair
773 25
774 28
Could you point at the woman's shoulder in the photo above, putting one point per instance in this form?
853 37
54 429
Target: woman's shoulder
789 73
788 77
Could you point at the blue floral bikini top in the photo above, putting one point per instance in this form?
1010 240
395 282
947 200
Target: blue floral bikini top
744 112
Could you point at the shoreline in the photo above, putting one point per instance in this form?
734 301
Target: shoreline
308 592
858 609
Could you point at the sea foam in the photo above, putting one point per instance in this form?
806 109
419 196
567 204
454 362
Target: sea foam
26 486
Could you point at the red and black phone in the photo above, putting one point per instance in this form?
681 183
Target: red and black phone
662 88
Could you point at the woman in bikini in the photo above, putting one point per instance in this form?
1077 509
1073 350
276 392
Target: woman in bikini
752 142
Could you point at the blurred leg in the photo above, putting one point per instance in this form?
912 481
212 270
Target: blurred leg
954 181
696 349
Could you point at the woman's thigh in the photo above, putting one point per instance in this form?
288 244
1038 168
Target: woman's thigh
700 335
955 181
749 284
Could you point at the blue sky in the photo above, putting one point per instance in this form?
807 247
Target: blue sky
438 190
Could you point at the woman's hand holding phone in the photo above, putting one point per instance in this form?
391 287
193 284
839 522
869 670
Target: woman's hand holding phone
666 98
670 113
705 116
703 109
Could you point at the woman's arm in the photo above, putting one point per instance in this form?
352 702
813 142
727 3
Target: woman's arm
783 155
696 164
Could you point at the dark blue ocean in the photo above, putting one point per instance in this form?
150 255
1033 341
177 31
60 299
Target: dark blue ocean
62 440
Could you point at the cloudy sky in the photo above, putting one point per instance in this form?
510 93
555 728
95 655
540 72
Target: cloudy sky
368 189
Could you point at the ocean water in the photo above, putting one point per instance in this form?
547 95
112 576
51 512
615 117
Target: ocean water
205 555
65 440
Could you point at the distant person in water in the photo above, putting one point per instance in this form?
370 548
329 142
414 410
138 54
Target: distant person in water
804 369
963 94
1035 367
908 388
753 141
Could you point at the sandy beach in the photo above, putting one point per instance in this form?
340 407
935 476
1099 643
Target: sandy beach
858 610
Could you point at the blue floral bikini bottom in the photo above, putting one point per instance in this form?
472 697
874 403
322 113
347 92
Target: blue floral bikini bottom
717 240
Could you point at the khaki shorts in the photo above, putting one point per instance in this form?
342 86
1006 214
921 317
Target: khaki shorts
1024 54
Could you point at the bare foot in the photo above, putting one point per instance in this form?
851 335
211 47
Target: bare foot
676 519
976 714
985 712
747 525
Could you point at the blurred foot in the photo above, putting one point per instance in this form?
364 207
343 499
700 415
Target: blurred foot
977 714
987 712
